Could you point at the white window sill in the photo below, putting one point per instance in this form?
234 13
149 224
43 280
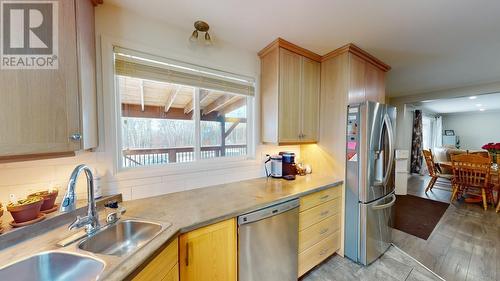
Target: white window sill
185 168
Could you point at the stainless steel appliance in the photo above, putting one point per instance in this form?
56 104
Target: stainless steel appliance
276 163
369 180
268 243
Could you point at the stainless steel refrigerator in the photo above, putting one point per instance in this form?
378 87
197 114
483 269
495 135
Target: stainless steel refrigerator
369 180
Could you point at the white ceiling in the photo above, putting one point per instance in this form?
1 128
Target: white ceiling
486 103
430 44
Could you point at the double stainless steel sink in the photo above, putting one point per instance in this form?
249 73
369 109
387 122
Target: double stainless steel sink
121 238
56 266
118 239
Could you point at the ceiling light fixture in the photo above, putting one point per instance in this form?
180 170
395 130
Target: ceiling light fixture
482 109
478 105
201 26
472 97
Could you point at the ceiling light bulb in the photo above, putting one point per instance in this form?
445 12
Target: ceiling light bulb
478 105
473 98
482 109
208 40
194 36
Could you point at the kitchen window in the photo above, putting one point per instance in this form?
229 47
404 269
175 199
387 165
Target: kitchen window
172 112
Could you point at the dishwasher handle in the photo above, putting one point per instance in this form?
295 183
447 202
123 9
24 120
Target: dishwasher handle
268 212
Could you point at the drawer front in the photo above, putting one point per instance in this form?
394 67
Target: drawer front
161 265
320 197
318 213
318 253
317 232
173 274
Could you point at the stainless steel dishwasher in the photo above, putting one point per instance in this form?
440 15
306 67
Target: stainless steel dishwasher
268 243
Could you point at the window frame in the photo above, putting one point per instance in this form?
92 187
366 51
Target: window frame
183 167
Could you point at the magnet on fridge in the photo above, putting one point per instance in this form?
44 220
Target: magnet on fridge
353 158
351 145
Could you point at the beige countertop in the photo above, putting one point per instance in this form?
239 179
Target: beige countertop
184 211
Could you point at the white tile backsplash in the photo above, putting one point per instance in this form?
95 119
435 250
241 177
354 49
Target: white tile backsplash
23 178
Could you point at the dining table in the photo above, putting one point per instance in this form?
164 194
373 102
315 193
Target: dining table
495 178
495 175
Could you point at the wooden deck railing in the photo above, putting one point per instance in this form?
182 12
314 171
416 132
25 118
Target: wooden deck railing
141 157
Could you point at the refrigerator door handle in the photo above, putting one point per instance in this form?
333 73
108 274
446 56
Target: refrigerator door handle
385 206
390 135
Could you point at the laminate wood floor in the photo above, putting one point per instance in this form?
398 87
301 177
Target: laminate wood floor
418 183
394 265
464 246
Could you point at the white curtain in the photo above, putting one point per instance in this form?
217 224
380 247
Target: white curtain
438 132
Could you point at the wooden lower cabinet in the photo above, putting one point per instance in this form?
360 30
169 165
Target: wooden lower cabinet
319 227
317 198
163 267
173 274
315 215
317 232
209 253
318 252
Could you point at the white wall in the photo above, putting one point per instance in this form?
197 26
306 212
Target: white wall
405 110
113 23
474 129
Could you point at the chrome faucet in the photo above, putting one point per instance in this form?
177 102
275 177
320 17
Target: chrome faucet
91 220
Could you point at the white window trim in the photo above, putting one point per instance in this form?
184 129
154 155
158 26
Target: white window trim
111 135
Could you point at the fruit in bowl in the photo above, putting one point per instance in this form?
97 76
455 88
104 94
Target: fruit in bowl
26 209
49 198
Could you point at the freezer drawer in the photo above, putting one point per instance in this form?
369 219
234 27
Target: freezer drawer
376 221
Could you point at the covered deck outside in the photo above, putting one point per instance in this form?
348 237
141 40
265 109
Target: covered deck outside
220 112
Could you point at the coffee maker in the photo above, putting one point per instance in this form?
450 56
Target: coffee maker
276 166
289 168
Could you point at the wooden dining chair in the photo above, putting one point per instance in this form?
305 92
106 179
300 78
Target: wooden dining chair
433 171
472 173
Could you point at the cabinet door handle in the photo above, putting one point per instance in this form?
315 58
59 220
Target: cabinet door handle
324 197
187 253
76 137
324 213
323 231
324 251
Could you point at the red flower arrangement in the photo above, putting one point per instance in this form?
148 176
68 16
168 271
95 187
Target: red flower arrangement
492 147
494 150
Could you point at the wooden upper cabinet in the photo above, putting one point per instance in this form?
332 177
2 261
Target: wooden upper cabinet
289 107
209 253
367 82
42 108
311 76
290 91
366 73
356 79
374 83
85 24
348 75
